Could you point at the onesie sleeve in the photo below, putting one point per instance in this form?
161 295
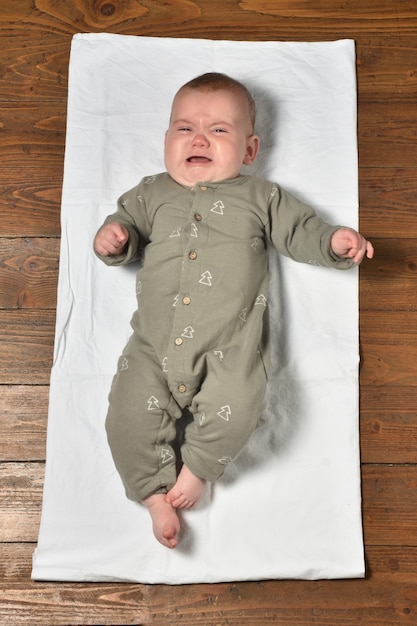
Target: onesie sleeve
296 231
131 213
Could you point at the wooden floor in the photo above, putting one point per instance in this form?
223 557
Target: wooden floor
35 37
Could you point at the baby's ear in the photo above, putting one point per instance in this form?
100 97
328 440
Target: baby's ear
252 150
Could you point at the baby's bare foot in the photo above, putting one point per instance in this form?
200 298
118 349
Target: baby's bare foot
187 490
166 525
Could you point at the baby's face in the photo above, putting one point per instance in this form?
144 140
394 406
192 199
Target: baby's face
209 137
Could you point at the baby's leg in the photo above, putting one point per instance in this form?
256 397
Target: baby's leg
141 421
166 525
187 491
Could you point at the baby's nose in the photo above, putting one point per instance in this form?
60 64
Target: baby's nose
200 140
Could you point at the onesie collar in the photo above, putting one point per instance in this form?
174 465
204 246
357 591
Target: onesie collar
215 184
238 180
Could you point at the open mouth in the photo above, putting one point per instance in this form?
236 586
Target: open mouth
199 160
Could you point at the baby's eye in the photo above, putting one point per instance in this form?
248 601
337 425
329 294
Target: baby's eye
217 131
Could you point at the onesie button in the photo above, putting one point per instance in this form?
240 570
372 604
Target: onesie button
203 187
182 388
192 255
186 300
198 217
178 341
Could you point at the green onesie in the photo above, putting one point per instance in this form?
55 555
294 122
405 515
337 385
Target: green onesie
200 339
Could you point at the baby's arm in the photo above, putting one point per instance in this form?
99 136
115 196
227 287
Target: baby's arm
111 239
349 244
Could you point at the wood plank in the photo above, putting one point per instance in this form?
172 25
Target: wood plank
21 487
71 17
34 64
36 67
387 199
388 423
389 509
385 599
30 201
393 562
375 14
388 365
389 503
386 68
28 273
389 327
379 295
253 19
26 346
199 18
23 421
16 561
388 348
389 281
32 131
387 134
297 603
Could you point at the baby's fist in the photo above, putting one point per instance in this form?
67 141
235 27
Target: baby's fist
349 244
111 239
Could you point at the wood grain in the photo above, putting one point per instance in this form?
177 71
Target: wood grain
30 202
28 273
387 136
390 277
21 487
36 66
26 346
387 202
34 51
385 598
388 424
388 348
382 602
32 132
23 418
389 511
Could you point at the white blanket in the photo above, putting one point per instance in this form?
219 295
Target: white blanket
290 506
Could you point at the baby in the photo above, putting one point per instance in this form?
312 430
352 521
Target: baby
200 333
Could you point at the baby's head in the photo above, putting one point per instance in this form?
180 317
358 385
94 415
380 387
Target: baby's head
211 130
214 81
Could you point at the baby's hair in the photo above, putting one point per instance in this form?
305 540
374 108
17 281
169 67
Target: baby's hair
214 81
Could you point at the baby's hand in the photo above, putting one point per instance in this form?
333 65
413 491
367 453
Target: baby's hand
349 244
111 239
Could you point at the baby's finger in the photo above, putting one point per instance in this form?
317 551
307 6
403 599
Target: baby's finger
120 233
369 250
362 250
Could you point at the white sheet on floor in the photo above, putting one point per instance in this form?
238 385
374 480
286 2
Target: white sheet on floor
290 506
